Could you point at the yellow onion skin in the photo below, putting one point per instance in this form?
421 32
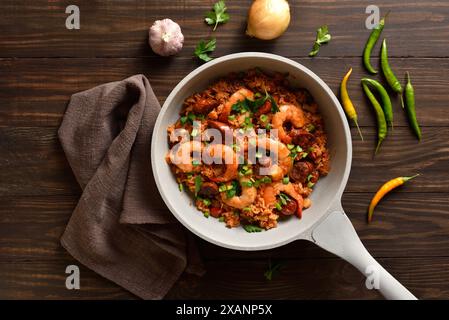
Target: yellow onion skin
268 19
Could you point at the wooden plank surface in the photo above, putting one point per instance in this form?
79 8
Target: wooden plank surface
418 232
42 64
36 91
119 28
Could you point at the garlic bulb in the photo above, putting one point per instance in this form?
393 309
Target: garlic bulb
268 19
165 37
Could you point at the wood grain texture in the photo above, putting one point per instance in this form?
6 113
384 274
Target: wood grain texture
119 28
33 162
405 224
297 279
35 92
42 64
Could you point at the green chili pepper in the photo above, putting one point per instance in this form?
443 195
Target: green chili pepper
386 102
371 42
381 121
410 107
388 73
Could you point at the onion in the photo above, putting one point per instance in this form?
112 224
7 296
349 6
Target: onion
268 19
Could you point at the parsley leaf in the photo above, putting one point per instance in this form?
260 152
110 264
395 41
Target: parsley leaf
203 49
322 36
272 270
217 15
250 228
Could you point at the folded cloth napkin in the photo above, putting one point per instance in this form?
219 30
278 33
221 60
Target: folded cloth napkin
121 228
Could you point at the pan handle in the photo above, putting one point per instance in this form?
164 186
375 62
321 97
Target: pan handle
337 235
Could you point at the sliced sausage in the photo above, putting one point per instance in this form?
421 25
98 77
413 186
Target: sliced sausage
208 190
302 138
289 208
301 170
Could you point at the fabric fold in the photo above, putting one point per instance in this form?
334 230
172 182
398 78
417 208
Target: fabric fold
121 227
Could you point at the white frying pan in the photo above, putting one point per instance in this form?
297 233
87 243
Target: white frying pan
324 224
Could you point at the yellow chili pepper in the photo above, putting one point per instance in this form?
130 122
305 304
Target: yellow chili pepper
386 188
347 103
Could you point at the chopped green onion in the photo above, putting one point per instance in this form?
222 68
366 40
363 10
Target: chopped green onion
247 209
278 206
206 214
231 117
221 219
207 202
198 184
285 180
247 184
194 132
181 187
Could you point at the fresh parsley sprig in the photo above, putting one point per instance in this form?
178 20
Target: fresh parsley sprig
217 15
273 269
322 36
203 49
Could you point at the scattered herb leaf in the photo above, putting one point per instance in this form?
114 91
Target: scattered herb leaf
322 36
272 270
217 15
203 49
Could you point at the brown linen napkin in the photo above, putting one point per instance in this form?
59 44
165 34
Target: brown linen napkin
121 228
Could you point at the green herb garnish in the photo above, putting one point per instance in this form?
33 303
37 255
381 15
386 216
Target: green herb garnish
284 198
294 151
221 219
250 228
285 180
206 214
272 270
181 187
310 127
322 36
198 184
217 15
203 49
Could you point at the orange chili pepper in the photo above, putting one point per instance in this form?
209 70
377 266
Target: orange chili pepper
386 188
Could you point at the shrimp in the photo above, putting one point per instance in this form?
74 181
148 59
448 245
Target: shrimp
226 156
238 96
247 197
288 113
181 155
270 192
284 162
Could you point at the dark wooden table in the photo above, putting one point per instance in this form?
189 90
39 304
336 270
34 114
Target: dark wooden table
42 64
